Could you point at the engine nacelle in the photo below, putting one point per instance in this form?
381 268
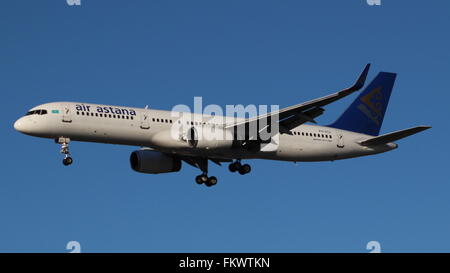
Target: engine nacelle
148 161
209 138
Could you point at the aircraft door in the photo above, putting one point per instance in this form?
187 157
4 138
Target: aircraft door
340 139
66 114
145 124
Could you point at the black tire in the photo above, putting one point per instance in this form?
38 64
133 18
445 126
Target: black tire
232 167
245 169
67 161
198 179
204 178
211 181
237 165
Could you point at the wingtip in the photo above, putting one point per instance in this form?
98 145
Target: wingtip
362 78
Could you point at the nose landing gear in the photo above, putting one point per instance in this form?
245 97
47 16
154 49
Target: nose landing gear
65 150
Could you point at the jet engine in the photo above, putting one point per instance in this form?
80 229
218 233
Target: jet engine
209 138
153 162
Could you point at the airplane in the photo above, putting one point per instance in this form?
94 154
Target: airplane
355 133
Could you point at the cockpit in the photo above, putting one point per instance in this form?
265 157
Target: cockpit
36 112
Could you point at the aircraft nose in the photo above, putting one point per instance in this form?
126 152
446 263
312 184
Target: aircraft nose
19 125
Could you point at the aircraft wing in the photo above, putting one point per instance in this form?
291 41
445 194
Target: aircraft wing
293 116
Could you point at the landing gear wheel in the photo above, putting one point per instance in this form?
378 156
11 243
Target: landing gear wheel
234 167
200 179
245 169
211 181
67 161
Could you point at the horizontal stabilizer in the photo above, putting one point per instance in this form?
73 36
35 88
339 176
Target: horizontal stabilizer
391 137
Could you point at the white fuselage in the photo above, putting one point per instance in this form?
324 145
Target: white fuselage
152 128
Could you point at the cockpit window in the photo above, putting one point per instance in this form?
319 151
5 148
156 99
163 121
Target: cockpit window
37 112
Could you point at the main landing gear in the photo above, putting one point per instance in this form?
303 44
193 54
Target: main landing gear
65 150
202 164
238 167
209 181
204 179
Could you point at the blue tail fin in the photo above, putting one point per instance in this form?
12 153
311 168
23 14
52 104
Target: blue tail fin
365 115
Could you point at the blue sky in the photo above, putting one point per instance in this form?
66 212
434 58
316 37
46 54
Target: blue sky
164 53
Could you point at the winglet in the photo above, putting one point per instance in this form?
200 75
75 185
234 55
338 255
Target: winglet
362 79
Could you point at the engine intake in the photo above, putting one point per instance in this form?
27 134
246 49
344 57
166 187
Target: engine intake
154 162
